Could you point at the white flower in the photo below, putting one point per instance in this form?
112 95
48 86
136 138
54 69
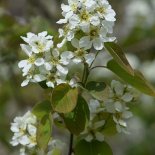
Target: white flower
96 38
39 43
54 79
119 96
37 50
58 61
24 129
95 133
68 35
79 55
105 11
121 125
68 10
32 60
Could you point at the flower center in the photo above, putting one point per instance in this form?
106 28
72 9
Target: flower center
85 16
31 59
79 53
93 33
40 46
55 61
51 77
74 7
101 10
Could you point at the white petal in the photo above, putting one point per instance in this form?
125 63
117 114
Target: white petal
14 142
61 33
75 43
50 84
77 60
32 130
127 97
69 15
27 49
65 8
48 66
22 63
118 106
25 83
59 81
39 62
39 78
27 68
98 44
89 138
122 123
95 20
110 106
61 69
55 53
49 45
127 114
24 140
99 136
64 61
42 34
62 21
70 35
67 55
90 58
74 20
85 41
85 26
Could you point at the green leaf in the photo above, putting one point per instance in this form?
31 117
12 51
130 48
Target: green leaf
98 90
44 130
119 56
77 119
92 148
56 152
137 80
64 98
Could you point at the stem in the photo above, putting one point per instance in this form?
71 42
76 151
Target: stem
94 59
84 72
71 145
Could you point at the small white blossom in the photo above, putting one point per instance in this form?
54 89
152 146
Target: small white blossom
96 38
58 61
95 132
79 55
24 129
119 96
39 43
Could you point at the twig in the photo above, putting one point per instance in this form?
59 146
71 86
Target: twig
71 145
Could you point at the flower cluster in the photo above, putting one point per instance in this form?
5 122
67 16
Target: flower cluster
88 22
24 129
44 62
116 104
115 107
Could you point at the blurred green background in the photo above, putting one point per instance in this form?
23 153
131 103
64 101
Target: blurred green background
135 31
